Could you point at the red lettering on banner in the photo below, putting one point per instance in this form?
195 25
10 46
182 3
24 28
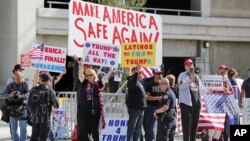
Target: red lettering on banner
91 31
152 22
116 16
82 30
98 60
53 50
93 52
130 19
138 47
140 21
123 17
54 59
109 55
133 36
116 36
89 9
77 9
106 15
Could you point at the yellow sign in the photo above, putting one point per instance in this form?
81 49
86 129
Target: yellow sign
138 53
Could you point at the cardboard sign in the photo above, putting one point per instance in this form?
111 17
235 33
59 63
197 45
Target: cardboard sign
101 54
110 25
48 58
25 60
246 111
116 130
213 82
231 105
138 53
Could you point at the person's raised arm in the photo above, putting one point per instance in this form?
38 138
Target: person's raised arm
59 77
36 78
106 77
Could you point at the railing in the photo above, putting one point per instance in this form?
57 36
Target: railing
149 10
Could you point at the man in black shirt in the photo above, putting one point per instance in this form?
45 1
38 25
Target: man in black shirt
136 103
154 94
166 115
245 91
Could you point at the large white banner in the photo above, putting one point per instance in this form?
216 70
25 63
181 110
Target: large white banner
213 82
113 26
116 130
101 54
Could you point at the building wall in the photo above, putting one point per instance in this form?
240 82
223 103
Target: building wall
230 8
8 39
179 48
233 54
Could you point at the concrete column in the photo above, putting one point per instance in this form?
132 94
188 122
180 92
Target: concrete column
18 33
202 60
205 8
26 31
8 39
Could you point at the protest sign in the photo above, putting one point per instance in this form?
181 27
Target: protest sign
213 82
231 105
25 60
110 25
138 53
116 130
101 54
48 58
246 111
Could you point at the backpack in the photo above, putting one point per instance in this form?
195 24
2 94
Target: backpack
38 101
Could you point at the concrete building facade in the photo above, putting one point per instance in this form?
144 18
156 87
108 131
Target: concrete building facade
224 24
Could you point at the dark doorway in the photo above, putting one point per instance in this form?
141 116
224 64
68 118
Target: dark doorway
174 65
66 83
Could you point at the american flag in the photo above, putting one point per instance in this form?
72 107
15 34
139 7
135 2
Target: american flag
212 114
148 72
37 53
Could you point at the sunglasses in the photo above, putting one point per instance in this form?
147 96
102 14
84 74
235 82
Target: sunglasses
87 75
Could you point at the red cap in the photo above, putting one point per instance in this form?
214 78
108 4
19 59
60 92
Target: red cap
188 62
222 66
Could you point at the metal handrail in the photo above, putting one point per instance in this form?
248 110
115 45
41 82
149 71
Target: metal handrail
155 10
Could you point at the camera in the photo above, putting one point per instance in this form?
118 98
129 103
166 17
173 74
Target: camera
16 95
92 112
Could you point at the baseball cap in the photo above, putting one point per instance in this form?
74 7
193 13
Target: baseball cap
222 66
188 62
17 67
156 71
45 77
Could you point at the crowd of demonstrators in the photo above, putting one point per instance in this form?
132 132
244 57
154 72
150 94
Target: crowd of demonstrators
40 102
154 96
148 100
16 95
189 100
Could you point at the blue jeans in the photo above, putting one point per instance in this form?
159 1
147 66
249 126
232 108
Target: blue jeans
23 129
149 122
134 124
51 134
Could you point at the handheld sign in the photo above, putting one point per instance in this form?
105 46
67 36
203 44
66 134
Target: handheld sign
116 130
112 26
101 54
25 60
48 58
214 82
246 111
139 53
